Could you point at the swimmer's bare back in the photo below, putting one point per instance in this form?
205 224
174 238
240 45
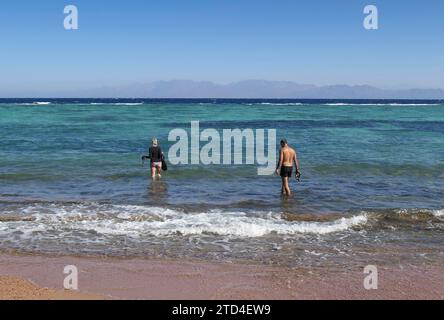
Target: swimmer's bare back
288 156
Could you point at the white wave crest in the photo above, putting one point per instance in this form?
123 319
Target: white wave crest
116 104
142 221
438 213
129 104
41 103
281 104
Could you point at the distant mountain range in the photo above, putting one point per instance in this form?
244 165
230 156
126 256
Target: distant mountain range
248 89
256 89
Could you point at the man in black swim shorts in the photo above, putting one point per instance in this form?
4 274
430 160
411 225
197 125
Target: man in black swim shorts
286 172
287 158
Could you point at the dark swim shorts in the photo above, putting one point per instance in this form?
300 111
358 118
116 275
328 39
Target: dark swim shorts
286 172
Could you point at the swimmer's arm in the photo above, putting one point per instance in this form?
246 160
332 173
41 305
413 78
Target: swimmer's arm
281 160
296 161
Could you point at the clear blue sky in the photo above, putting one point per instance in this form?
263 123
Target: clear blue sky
311 41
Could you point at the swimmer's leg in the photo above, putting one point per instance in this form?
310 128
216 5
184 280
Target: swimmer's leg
286 186
283 187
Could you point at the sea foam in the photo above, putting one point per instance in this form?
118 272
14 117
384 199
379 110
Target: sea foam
438 213
140 221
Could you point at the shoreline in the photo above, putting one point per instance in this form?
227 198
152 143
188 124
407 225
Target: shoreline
41 277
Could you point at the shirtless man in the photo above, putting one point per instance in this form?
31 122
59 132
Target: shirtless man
287 158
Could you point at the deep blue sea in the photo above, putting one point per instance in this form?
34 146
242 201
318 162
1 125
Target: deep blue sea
372 187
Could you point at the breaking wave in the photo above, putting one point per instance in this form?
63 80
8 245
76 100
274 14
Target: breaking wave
117 104
139 221
438 213
282 104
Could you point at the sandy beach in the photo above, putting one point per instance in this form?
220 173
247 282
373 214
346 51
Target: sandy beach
41 277
15 288
221 150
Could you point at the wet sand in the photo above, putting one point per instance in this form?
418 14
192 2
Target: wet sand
41 277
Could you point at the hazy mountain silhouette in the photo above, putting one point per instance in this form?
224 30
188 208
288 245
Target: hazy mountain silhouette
247 89
258 89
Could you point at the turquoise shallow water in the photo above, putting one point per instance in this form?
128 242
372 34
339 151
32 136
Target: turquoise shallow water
71 180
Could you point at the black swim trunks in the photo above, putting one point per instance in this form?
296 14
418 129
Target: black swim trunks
286 172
